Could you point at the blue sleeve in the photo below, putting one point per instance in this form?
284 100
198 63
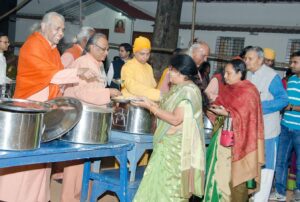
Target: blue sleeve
280 97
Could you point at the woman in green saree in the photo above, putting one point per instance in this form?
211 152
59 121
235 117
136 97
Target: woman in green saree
229 168
176 168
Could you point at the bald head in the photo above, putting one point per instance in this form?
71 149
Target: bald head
199 51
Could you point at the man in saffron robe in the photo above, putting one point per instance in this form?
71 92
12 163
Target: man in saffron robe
71 54
40 72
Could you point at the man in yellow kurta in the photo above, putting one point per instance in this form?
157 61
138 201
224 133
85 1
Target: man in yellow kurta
137 74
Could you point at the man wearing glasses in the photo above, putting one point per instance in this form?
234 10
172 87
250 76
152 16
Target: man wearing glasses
4 44
92 91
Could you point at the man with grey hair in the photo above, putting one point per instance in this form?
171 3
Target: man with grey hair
274 98
40 74
71 54
199 51
89 91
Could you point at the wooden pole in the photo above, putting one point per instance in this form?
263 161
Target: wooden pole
19 6
193 21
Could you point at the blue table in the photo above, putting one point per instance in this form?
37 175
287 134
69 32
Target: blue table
57 151
141 144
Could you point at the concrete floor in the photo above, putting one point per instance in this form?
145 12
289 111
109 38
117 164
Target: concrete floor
56 191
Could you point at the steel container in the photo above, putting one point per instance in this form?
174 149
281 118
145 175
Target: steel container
208 127
93 128
132 119
21 124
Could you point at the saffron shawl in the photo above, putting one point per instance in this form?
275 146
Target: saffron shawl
242 100
37 64
75 51
193 146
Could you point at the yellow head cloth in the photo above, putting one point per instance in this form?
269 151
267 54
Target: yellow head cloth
269 53
141 43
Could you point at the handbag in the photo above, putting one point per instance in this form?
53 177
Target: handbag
227 136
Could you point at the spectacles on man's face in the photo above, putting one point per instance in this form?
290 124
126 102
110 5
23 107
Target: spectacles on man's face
101 48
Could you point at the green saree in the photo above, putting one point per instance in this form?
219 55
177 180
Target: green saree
177 165
218 161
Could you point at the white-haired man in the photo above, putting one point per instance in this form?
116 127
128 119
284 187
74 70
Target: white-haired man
71 54
89 91
273 98
40 72
199 51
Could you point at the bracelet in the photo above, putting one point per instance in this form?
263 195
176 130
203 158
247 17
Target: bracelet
291 107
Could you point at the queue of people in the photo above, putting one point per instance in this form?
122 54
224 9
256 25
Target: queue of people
248 143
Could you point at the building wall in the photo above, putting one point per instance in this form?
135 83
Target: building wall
221 13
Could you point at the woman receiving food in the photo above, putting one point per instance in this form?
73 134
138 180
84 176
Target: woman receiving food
176 168
230 166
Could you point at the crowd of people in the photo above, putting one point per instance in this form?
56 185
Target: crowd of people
256 119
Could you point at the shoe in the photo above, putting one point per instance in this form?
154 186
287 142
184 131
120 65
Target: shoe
296 195
277 197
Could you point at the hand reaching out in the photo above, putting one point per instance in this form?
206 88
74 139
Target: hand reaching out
143 102
220 110
87 73
114 92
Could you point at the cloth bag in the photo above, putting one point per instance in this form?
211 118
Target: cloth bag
227 135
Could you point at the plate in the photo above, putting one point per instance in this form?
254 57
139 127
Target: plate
65 114
120 99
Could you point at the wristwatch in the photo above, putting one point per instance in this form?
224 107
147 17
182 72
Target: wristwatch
291 107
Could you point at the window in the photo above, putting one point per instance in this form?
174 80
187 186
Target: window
228 47
293 46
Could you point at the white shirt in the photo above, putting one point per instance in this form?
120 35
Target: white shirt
3 66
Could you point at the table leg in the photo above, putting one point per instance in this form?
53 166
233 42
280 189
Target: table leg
85 181
134 156
123 196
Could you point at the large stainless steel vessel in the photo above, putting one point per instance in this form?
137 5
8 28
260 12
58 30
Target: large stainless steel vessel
21 124
93 128
132 119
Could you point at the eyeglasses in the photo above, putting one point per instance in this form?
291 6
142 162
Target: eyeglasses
6 42
103 49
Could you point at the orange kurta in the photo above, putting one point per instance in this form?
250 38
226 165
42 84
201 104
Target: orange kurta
38 63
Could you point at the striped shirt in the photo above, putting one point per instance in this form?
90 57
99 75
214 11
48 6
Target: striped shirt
291 119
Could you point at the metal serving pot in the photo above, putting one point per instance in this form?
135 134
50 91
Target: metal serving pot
208 127
21 123
132 119
93 128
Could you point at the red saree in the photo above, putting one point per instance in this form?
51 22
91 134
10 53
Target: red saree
242 100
